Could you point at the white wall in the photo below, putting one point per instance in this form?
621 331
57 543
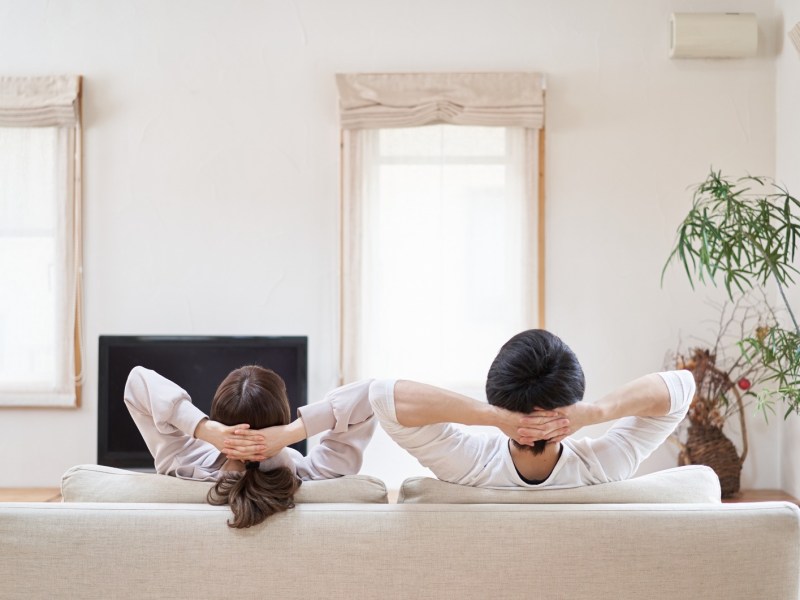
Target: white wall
211 171
787 83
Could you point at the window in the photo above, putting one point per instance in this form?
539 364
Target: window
441 248
39 241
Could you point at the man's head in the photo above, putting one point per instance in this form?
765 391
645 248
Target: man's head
535 369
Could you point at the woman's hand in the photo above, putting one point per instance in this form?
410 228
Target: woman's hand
218 435
261 444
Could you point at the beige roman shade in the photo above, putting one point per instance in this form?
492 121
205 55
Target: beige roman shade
383 100
40 101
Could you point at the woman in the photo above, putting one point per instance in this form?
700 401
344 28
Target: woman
255 473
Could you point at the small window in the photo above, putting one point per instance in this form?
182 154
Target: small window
39 243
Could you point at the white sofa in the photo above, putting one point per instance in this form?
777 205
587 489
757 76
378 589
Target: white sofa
411 550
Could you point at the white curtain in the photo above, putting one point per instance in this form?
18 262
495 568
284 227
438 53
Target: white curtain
439 253
40 241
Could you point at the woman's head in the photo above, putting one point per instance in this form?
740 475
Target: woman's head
255 396
252 395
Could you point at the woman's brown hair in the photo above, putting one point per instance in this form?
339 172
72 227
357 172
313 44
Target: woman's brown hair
255 396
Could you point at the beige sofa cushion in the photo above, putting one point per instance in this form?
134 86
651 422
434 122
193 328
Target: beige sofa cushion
95 483
681 485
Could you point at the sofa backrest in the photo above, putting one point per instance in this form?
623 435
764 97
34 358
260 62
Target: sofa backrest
338 551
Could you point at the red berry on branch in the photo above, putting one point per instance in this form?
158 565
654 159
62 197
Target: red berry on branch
744 383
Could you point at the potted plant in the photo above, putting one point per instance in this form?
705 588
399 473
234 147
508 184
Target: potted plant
723 383
743 232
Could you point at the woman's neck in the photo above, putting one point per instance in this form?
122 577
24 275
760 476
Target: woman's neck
232 465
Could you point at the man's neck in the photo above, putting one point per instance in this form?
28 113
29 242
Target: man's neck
536 467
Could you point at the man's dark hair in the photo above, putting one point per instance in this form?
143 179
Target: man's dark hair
535 369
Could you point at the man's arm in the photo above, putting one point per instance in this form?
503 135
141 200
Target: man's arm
418 404
647 411
646 396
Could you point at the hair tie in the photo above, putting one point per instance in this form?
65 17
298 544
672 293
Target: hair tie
251 464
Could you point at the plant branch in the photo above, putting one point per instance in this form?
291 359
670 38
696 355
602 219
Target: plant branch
786 303
741 423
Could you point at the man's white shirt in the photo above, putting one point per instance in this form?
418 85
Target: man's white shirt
484 460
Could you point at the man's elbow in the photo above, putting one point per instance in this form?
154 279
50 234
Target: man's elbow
689 388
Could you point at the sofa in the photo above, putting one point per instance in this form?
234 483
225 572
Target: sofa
664 535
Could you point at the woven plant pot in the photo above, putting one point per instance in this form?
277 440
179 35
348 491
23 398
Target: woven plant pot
709 446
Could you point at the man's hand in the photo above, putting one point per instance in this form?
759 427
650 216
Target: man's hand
261 444
526 429
572 418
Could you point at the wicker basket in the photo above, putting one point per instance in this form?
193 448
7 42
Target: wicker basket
706 444
709 446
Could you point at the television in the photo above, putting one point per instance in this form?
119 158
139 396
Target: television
197 364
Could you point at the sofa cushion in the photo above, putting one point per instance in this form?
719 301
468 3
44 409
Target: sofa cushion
681 485
96 483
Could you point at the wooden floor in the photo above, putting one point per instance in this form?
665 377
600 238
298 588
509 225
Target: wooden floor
762 496
30 494
54 495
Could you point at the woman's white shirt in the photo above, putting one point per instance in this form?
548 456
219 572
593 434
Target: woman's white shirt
167 419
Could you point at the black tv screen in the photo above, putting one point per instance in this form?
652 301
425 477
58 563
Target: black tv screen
198 365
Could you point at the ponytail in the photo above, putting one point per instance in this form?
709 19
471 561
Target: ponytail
256 396
254 495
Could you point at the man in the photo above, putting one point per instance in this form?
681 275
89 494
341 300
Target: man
534 388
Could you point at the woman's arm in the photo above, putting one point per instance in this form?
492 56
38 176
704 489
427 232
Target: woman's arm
261 444
345 419
217 435
166 418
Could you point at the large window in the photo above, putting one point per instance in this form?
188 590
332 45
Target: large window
39 241
442 238
448 251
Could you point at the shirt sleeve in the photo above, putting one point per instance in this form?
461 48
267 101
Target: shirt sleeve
165 416
346 417
452 454
632 439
